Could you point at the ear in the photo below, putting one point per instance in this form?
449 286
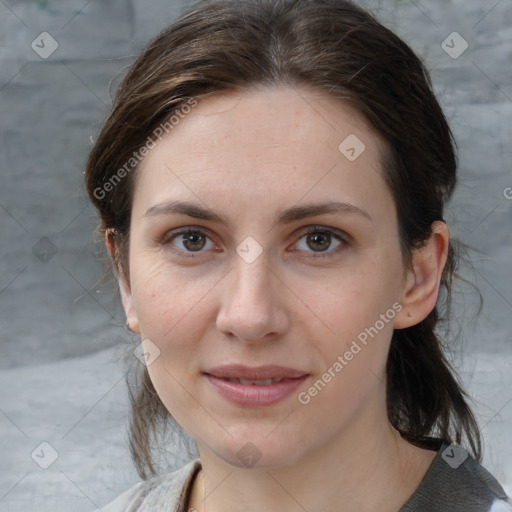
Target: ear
124 285
422 282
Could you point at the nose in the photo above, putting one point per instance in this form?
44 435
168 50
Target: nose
253 308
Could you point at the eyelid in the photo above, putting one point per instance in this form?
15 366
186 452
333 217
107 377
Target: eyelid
344 239
313 228
173 233
169 237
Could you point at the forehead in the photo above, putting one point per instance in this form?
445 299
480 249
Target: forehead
279 144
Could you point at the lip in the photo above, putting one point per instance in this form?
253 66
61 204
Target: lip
254 395
238 371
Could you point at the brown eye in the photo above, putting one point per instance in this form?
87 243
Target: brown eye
318 241
193 241
322 242
188 241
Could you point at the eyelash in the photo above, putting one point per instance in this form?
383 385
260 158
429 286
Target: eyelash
337 235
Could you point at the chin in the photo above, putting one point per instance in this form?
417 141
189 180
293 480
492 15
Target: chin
259 451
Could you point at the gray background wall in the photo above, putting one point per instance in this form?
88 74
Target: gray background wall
61 335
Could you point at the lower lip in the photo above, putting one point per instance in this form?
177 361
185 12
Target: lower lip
249 395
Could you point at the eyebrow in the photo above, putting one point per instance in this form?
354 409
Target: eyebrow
292 214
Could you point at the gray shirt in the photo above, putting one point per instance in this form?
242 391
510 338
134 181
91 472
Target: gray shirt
455 482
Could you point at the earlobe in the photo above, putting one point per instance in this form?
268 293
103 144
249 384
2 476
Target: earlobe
124 287
421 286
132 320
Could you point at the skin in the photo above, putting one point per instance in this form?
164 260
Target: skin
248 156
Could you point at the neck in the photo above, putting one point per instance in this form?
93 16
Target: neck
362 470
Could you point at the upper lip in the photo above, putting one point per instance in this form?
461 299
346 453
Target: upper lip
237 371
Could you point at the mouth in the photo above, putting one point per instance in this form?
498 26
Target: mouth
255 387
255 374
263 382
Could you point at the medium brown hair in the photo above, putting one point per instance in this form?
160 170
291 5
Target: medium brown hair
335 47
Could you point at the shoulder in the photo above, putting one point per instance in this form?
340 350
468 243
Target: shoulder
162 493
457 483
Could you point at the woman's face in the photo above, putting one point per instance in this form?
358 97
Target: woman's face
292 270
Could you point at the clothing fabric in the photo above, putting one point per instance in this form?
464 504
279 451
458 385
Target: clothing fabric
455 482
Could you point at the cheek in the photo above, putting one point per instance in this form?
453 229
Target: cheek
167 300
355 297
172 312
359 307
352 356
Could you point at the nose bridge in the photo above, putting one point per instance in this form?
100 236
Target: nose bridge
253 281
250 308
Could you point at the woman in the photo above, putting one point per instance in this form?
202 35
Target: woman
271 183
